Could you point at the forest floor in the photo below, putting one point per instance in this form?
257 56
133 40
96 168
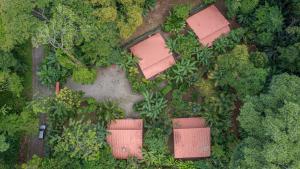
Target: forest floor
111 84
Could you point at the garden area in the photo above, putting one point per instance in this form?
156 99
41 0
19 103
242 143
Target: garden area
233 64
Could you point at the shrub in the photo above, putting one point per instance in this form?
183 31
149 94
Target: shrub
50 71
176 20
71 99
105 111
234 69
152 107
259 59
228 42
183 70
289 58
240 7
83 75
268 20
185 45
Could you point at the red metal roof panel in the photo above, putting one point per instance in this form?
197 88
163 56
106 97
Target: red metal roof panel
193 122
126 143
126 124
208 22
154 56
192 143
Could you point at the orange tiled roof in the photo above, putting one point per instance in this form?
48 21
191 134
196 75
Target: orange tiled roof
154 56
208 25
191 138
126 138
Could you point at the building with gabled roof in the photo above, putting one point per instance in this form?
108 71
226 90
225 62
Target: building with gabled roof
125 137
191 138
154 57
208 24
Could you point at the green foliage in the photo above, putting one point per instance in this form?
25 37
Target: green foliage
16 22
268 20
270 125
152 107
7 61
176 20
223 44
11 82
50 71
70 99
105 111
289 58
3 144
240 7
184 45
156 152
80 141
138 83
183 70
236 70
259 59
149 5
83 75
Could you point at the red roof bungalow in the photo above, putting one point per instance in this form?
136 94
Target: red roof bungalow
126 138
208 25
191 138
154 56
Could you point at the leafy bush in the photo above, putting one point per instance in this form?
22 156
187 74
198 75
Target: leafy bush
156 152
83 75
185 45
105 111
183 70
235 70
259 59
71 99
228 42
240 7
289 58
152 107
80 141
50 71
176 21
268 20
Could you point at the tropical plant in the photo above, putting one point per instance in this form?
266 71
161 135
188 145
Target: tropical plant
79 141
152 107
84 75
184 45
183 70
176 20
50 71
259 59
268 20
235 70
71 99
289 58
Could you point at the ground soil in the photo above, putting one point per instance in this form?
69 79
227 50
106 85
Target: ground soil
158 15
111 84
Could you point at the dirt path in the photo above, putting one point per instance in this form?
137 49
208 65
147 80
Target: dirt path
111 84
37 88
158 15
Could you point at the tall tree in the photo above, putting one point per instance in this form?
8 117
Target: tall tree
237 71
270 124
